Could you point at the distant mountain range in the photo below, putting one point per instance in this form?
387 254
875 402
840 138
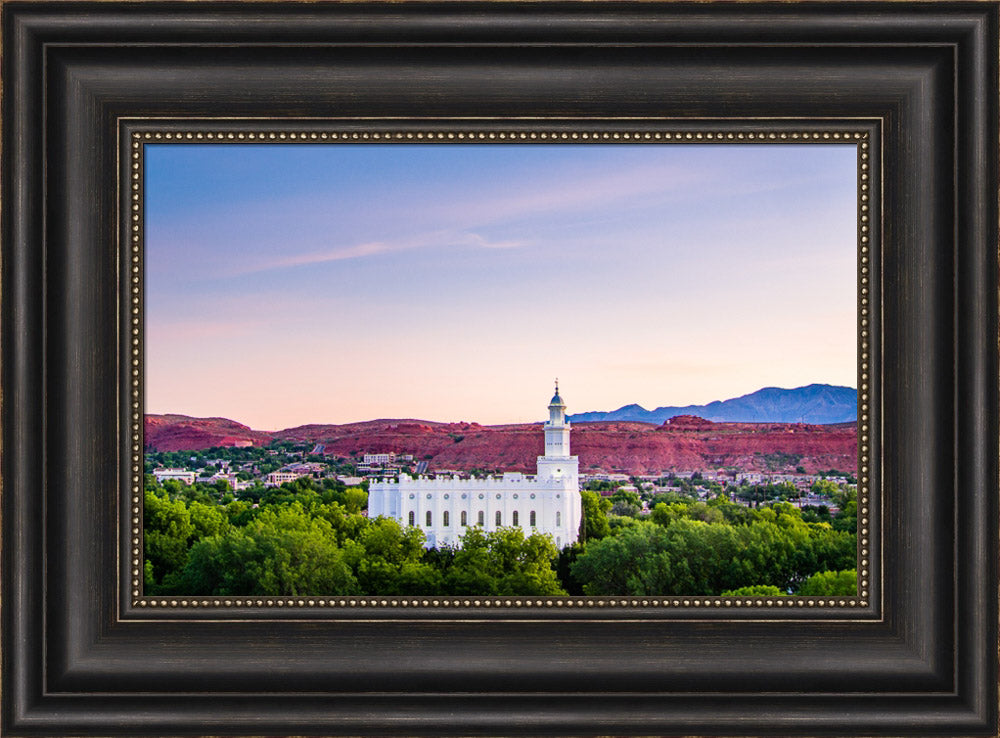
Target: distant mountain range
814 403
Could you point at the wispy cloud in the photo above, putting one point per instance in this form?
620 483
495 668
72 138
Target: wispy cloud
563 196
246 237
474 239
373 248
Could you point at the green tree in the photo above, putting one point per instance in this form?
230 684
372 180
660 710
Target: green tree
346 526
388 559
253 493
567 557
825 487
664 514
632 562
504 562
816 514
628 496
282 551
692 557
831 583
733 513
701 511
622 508
355 499
755 590
207 520
239 512
167 530
846 518
595 515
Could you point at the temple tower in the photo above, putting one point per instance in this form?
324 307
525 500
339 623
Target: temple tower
557 462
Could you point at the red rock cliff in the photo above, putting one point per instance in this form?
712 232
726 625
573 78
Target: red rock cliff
683 443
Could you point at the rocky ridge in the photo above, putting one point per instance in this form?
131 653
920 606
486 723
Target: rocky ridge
681 443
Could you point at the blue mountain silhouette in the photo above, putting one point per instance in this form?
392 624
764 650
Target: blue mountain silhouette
814 403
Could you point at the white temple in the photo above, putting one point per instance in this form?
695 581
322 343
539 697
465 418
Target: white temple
444 508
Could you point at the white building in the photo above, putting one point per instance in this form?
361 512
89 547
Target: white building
278 478
230 478
546 502
182 475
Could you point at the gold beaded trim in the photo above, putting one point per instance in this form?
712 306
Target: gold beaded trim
864 356
590 603
497 602
284 136
134 327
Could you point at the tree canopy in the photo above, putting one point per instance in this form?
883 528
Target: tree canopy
313 537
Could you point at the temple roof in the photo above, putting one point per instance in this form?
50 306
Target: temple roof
556 400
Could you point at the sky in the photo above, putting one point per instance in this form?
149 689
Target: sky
289 284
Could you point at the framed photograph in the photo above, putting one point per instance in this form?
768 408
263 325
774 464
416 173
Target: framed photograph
286 288
294 277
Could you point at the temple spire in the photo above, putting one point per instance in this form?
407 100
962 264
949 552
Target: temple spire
557 429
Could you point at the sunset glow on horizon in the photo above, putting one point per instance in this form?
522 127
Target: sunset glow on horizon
289 284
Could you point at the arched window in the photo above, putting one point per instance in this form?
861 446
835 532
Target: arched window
558 518
531 518
499 519
465 519
429 519
515 518
481 518
413 518
445 518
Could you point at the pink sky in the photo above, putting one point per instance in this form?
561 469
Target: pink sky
290 285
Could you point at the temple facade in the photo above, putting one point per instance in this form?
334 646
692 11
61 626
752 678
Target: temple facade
444 508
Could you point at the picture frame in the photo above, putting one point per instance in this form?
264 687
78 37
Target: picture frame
148 144
81 656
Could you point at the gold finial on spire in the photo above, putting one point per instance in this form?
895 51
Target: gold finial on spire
556 401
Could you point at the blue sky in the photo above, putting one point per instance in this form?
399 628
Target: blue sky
296 283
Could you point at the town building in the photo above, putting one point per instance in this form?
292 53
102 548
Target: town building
234 482
278 478
307 468
181 475
379 465
547 502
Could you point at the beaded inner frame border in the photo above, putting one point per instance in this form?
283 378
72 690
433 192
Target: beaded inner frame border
228 131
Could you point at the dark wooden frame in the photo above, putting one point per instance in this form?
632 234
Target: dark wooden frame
79 660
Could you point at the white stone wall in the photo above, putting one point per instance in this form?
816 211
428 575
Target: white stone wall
556 439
